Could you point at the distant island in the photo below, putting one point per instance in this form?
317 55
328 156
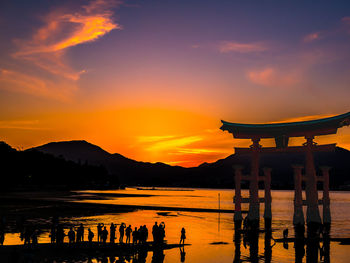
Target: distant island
82 165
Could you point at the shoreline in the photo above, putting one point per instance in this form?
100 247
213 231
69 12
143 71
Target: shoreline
39 207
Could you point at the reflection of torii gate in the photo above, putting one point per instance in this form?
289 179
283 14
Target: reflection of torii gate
281 132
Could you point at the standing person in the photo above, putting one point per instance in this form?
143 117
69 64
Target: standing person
104 235
161 232
34 237
80 233
183 236
112 233
71 235
99 231
140 235
90 235
53 234
60 234
27 235
121 232
128 231
155 232
135 236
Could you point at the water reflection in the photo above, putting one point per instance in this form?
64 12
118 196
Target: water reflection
237 241
203 229
158 255
317 248
268 246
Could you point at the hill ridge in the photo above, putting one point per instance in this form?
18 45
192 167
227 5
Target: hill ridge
215 174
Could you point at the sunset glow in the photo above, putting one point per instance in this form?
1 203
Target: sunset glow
152 80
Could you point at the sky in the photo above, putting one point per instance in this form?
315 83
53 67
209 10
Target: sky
152 80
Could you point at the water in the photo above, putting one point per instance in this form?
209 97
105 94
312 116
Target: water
203 229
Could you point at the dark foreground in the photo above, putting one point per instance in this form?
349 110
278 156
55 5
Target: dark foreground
47 252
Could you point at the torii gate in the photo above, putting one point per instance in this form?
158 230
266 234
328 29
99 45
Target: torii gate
281 132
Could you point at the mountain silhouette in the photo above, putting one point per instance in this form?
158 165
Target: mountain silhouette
216 174
32 169
128 171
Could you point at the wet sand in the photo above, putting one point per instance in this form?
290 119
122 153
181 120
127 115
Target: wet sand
68 203
40 206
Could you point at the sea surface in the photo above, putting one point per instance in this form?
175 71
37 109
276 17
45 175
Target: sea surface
211 234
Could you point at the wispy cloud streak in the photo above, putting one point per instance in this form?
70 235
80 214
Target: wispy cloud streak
46 49
271 77
312 37
20 125
233 46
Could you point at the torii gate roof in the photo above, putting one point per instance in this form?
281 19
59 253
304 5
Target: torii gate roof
289 129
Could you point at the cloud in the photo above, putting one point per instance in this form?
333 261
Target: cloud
46 48
147 139
15 81
174 143
346 20
312 37
346 23
20 125
345 26
64 30
270 77
305 118
188 150
197 151
232 46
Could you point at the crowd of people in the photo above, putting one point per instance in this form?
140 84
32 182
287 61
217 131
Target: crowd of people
134 236
29 234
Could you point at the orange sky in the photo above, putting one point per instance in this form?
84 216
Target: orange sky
140 80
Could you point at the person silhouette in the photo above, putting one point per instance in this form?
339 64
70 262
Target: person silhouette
90 235
80 233
135 236
128 231
183 236
99 231
155 231
27 235
112 233
161 232
104 235
121 232
71 235
53 234
34 237
140 234
60 234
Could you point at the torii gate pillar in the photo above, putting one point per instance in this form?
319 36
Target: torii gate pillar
238 197
312 212
254 206
326 200
298 217
268 199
